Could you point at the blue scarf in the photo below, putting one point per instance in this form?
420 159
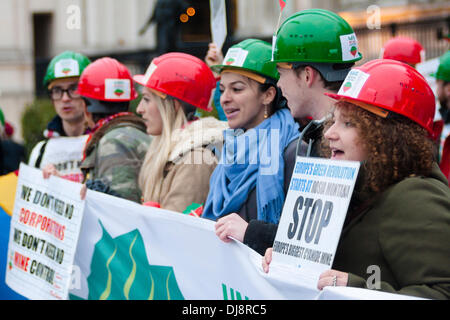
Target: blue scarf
252 159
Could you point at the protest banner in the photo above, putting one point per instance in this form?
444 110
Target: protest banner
44 231
218 22
127 251
314 212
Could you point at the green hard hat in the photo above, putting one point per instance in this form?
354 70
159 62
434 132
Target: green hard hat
316 35
250 55
66 65
443 71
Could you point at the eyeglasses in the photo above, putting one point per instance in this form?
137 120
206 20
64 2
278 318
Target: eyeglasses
56 93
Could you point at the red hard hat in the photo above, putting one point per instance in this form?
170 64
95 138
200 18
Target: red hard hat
181 76
404 49
107 79
383 85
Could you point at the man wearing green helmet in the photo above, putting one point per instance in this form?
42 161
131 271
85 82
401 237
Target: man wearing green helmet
61 80
314 50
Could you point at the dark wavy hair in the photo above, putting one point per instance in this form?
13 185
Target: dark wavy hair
279 102
396 146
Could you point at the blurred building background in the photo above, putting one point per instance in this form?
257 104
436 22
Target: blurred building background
33 31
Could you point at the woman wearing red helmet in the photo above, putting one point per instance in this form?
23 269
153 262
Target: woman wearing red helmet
399 215
181 157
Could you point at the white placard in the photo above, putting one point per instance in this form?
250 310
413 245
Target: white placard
314 213
66 154
45 226
218 22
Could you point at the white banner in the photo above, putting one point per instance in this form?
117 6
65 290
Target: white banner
44 232
65 153
129 251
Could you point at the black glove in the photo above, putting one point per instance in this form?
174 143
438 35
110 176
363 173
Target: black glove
100 186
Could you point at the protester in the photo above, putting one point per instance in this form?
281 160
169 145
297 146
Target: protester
118 141
404 49
61 79
399 215
181 157
305 75
245 185
442 76
410 51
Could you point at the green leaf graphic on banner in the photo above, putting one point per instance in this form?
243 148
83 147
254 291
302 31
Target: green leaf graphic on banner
120 271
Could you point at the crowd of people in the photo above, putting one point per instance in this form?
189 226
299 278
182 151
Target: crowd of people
303 96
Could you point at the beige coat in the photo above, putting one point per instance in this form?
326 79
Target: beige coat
191 163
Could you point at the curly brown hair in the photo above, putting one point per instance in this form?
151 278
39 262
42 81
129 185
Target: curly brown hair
396 146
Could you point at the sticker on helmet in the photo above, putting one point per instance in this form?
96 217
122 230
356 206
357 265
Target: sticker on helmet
67 68
117 89
235 57
349 45
353 83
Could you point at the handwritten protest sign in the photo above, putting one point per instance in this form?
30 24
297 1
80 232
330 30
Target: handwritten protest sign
43 237
314 213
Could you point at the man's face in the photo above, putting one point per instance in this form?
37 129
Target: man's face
68 104
293 90
443 93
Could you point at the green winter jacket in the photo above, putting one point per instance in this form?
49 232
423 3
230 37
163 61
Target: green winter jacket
405 235
115 155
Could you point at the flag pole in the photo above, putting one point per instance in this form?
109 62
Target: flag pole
274 37
279 20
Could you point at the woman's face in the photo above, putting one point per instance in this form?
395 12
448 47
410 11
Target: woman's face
241 100
148 109
343 138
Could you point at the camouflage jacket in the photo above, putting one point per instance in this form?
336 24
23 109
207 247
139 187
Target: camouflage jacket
115 154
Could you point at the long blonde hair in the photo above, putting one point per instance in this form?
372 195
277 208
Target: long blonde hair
152 172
